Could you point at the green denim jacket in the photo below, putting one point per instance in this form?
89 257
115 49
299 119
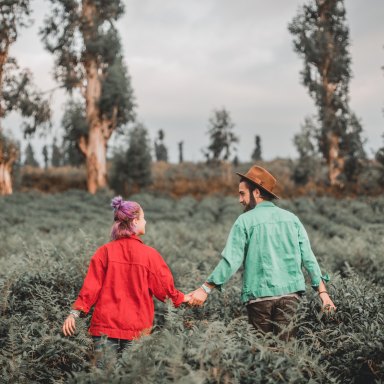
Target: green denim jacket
273 246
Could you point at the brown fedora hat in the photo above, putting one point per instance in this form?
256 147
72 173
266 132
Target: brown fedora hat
262 178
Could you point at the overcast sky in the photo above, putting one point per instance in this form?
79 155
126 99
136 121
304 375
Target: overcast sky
189 57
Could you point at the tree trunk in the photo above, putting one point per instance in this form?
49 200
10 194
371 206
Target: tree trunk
6 162
332 153
335 160
3 60
94 148
5 179
96 160
7 158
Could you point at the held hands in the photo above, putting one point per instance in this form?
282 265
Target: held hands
197 297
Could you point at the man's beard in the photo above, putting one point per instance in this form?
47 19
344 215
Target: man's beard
252 203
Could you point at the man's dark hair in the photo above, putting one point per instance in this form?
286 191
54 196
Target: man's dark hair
252 186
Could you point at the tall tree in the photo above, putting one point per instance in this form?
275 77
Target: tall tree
17 92
75 126
57 156
181 153
86 44
161 151
306 145
321 37
379 155
256 155
222 138
131 169
45 156
30 156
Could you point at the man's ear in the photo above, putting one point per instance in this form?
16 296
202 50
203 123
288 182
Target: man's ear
256 193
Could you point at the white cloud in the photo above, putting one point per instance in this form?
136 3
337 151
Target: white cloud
188 57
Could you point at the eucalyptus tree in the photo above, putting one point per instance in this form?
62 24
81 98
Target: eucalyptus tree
161 151
221 135
88 57
321 37
57 155
256 154
45 154
132 167
30 156
180 145
17 92
75 125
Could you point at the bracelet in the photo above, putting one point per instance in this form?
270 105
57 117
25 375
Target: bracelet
206 289
322 292
74 312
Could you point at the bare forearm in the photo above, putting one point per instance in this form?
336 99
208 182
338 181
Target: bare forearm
324 296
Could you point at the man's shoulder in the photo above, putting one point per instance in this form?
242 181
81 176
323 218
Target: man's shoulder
285 212
274 212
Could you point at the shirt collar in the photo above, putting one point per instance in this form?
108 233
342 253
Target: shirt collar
265 204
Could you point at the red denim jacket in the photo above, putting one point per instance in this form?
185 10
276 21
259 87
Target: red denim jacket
122 278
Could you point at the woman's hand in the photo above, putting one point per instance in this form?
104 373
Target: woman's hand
187 298
69 326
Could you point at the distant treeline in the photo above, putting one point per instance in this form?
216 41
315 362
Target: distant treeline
202 179
89 65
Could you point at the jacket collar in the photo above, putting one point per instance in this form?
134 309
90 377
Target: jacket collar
265 204
133 237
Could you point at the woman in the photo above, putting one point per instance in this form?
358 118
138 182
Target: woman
122 278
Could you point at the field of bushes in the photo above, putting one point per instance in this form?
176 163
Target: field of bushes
47 241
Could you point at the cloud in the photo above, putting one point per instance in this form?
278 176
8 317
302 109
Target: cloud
188 57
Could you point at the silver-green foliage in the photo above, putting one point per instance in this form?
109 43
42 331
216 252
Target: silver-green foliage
46 245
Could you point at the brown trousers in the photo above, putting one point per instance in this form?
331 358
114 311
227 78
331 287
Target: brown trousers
274 316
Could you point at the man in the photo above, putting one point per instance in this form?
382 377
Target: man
272 245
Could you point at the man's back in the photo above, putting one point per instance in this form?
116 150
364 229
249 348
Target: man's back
272 264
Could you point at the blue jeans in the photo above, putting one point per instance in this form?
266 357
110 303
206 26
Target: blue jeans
104 344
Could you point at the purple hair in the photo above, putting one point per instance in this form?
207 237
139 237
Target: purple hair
124 213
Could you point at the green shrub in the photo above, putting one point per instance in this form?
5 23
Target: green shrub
47 242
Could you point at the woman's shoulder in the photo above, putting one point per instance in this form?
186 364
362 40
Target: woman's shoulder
132 245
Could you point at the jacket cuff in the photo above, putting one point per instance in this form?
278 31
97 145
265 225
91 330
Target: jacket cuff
316 282
179 300
80 307
219 287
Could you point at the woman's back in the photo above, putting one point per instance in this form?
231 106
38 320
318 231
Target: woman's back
122 277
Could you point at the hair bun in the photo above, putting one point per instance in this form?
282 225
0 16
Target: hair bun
116 203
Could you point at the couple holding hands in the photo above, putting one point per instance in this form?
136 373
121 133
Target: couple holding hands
269 242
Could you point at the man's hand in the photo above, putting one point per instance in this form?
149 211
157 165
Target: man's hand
69 326
197 297
328 305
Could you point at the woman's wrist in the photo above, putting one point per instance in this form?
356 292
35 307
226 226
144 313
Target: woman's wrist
75 313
